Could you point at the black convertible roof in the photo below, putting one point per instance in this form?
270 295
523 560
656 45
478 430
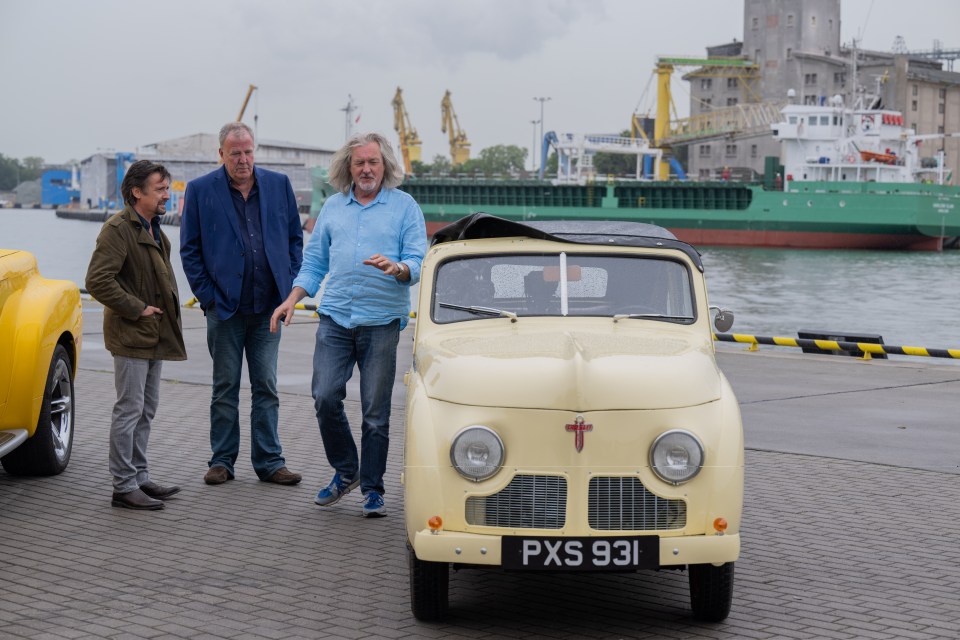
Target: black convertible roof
602 232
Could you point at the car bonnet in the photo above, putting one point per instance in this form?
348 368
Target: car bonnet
578 371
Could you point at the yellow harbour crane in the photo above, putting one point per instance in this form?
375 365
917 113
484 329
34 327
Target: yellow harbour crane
745 72
246 100
459 145
409 140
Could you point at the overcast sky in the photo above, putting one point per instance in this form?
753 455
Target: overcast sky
77 77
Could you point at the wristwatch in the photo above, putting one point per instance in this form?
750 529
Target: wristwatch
401 269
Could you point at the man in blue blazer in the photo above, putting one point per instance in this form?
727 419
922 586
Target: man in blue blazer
241 245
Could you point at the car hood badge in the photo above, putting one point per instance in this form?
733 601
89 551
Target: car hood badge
578 428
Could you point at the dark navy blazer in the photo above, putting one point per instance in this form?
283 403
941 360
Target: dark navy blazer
211 247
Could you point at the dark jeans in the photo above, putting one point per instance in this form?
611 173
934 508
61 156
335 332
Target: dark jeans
227 341
374 351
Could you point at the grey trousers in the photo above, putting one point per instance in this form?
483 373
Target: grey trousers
138 394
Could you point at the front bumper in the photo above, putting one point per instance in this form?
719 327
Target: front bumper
471 548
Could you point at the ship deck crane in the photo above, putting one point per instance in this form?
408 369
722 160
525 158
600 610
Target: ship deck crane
459 145
741 68
409 140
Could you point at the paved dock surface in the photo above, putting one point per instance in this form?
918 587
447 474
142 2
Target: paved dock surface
850 523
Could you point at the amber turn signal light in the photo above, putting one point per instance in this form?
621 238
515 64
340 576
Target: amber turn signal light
435 523
720 524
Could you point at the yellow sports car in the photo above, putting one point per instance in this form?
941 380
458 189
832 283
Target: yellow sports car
565 411
41 325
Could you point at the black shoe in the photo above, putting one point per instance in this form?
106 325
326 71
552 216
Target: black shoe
136 499
158 491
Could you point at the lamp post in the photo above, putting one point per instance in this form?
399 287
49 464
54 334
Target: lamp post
541 101
533 148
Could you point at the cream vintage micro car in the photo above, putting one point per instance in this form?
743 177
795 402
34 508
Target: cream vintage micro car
565 411
41 327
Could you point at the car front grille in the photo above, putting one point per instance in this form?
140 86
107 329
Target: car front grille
528 502
624 504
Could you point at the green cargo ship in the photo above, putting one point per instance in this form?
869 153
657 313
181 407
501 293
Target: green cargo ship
846 179
824 215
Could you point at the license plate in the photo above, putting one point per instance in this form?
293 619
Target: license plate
580 554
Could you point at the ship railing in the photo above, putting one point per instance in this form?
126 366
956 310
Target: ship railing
743 120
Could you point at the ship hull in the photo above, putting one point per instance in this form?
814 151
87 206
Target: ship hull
808 215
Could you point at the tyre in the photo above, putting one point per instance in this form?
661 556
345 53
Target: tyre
429 582
48 451
711 591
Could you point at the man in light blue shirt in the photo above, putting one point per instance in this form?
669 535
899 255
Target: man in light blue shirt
368 244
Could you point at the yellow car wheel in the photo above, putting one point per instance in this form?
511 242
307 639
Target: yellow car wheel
47 452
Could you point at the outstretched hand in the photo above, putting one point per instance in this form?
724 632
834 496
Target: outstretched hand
385 264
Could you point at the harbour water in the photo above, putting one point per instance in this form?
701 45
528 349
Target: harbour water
909 298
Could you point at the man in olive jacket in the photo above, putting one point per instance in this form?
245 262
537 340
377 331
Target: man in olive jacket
130 274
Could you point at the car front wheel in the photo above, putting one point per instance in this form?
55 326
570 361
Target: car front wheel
48 451
711 591
429 582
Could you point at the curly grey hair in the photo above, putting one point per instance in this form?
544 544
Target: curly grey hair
339 172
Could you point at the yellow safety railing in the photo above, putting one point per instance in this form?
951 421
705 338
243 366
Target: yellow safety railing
866 348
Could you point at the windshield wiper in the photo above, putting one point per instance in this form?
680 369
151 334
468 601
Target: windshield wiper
655 316
481 311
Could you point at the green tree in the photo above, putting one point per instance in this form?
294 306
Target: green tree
441 164
9 169
553 161
13 171
33 163
615 163
472 167
502 159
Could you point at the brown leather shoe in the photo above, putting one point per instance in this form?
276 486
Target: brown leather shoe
136 499
217 475
158 491
284 476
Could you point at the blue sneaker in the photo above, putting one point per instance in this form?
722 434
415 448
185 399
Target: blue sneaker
373 506
337 488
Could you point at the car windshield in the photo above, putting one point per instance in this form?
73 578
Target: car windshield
518 285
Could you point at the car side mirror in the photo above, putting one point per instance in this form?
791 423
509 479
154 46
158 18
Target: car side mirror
722 319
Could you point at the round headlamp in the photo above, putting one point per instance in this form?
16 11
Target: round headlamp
676 456
477 453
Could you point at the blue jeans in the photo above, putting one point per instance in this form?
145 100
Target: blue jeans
227 340
374 351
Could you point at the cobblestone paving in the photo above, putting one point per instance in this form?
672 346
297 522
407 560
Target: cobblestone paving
831 549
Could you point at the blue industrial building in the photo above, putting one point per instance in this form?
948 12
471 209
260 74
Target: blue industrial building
59 187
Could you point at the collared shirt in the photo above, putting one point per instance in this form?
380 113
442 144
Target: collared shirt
347 233
152 227
258 294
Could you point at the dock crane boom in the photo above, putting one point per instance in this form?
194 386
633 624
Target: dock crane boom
743 69
246 99
459 145
409 140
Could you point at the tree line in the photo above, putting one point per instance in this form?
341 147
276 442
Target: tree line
501 160
14 171
498 160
